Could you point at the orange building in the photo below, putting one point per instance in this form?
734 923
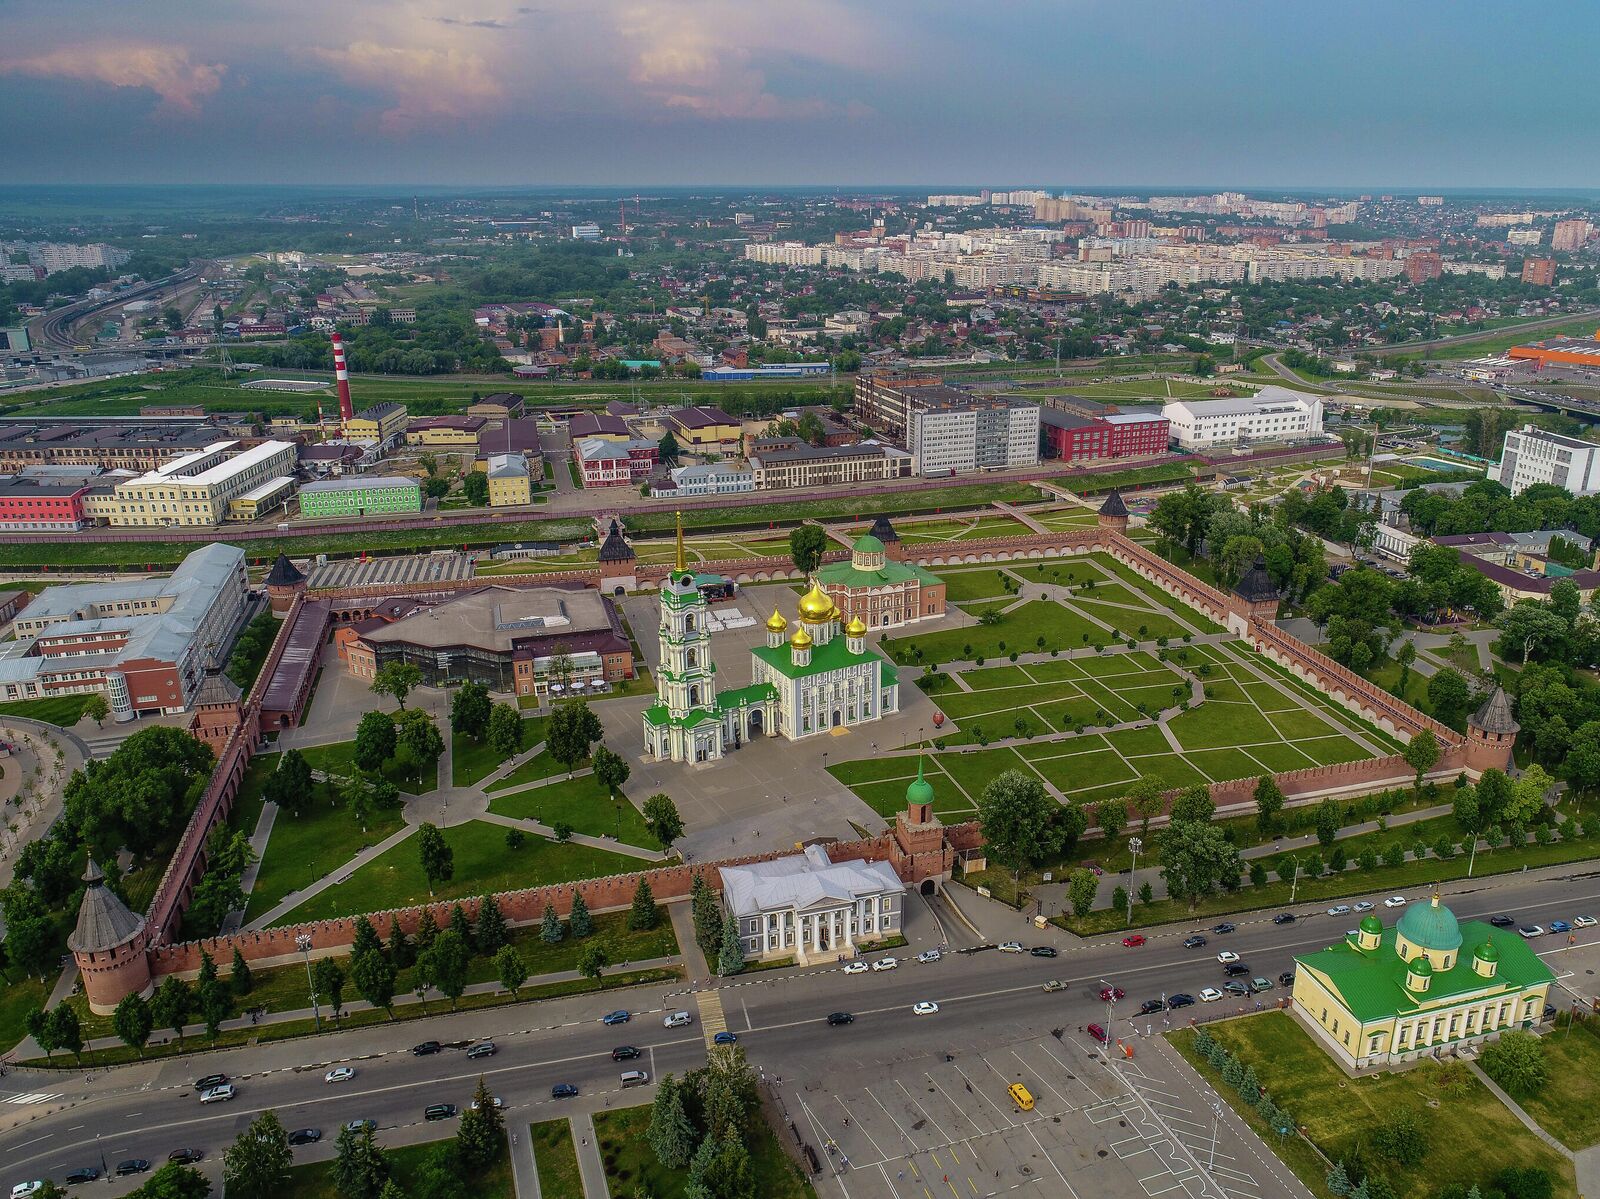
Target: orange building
1541 272
1564 351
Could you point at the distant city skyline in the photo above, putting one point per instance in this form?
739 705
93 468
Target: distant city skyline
718 93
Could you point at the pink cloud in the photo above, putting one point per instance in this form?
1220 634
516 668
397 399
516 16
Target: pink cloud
168 71
427 85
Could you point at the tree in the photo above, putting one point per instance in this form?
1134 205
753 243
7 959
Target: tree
171 1004
1269 802
171 1181
807 544
65 1029
375 741
1422 754
1082 887
730 955
572 730
328 976
489 930
469 711
1527 796
446 966
438 859
592 961
1329 818
133 1022
1449 696
1017 817
510 969
667 449
1517 1062
505 730
670 1134
461 926
399 947
645 913
482 1133
417 741
256 1165
96 708
550 930
1401 1136
610 769
215 1005
475 486
579 922
662 819
290 785
398 679
1528 628
1193 804
706 913
1111 816
374 979
239 976
361 1169
1582 764
1196 858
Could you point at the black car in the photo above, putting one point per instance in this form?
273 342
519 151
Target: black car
482 1049
1283 918
424 1049
305 1136
1237 988
1286 978
624 1053
1549 1011
1194 942
1152 1005
1043 951
1501 921
563 1090
185 1157
209 1081
1236 969
1181 999
1224 927
439 1111
132 1165
841 1018
87 1174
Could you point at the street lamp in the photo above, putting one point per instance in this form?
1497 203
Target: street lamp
1294 879
1110 993
303 944
1134 846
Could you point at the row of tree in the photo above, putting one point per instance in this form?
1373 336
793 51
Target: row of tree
707 1123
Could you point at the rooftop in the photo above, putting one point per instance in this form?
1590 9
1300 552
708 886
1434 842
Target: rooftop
802 881
498 619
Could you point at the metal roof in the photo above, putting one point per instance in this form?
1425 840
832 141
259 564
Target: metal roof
803 880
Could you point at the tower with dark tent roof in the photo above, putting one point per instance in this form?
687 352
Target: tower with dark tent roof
1114 513
1491 734
618 562
1258 592
109 945
284 582
894 549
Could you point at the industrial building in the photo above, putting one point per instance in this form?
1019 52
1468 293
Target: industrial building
145 643
1560 351
1075 437
510 483
361 495
199 488
35 505
1531 455
1272 414
445 430
382 423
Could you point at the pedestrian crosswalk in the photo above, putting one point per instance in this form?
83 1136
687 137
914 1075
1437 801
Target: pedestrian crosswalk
712 1018
32 1097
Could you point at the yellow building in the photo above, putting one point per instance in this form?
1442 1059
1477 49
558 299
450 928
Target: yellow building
199 488
383 423
445 430
1384 997
509 481
705 429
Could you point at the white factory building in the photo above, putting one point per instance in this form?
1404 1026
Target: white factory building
1532 456
1272 414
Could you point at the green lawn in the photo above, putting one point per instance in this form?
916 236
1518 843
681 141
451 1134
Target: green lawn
633 1169
315 1181
64 710
339 758
540 766
471 761
483 865
305 848
1018 630
19 995
1451 1103
556 1159
961 585
1565 1108
581 802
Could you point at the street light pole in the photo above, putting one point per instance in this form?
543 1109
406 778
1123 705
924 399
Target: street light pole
303 944
1134 846
1294 882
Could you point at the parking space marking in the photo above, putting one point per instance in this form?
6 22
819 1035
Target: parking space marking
944 1136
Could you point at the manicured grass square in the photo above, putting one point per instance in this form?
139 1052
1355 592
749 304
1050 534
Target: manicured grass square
339 759
1169 770
472 761
1155 699
1226 690
1067 747
1224 764
1147 740
556 1160
1019 630
1298 725
582 802
540 766
1268 698
1055 670
1071 775
868 770
973 584
1103 696
1219 726
1330 750
996 676
1128 622
888 797
973 770
483 865
312 846
1280 757
1063 714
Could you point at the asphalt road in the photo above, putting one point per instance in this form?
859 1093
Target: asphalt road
984 999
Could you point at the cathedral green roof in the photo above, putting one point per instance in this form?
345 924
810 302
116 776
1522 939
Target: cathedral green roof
1431 925
835 655
844 574
868 544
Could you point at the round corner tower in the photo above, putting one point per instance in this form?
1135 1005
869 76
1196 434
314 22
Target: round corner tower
110 946
1491 734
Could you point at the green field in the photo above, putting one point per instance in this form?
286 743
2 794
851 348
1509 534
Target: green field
555 1159
632 1167
64 710
313 845
583 804
315 1181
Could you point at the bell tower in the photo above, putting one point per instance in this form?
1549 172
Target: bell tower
686 680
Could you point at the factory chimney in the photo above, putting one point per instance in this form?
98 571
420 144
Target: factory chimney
341 375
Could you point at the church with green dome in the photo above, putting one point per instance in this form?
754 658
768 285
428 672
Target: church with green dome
1387 996
876 587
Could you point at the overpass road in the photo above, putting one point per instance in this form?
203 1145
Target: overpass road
55 1121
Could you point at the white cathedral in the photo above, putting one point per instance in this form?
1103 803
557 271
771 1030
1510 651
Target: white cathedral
821 678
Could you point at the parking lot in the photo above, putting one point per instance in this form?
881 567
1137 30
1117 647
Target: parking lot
938 1126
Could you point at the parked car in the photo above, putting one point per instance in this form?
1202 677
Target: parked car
1053 984
1501 921
679 1019
305 1136
1194 942
1099 1033
1209 994
1152 1005
482 1049
1259 984
426 1049
209 1081
1224 927
616 1017
624 1053
926 1008
1011 947
361 1125
563 1090
1285 918
1236 970
1531 931
855 967
725 1038
1111 994
928 956
339 1074
1133 942
1237 988
1395 901
1364 906
494 1101
1286 978
24 1189
439 1111
1339 909
1043 951
87 1174
1560 926
1583 922
1181 999
885 964
841 1018
185 1157
1226 956
218 1094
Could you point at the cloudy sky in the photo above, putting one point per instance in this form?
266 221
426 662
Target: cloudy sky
1286 93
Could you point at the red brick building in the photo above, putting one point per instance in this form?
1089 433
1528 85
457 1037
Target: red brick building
1073 437
35 505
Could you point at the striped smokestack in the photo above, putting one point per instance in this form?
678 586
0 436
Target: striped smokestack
341 375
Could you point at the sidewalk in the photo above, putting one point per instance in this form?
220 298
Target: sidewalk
590 1167
296 898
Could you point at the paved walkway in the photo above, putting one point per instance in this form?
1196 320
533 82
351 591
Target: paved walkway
295 898
524 1169
683 928
247 881
1526 1120
590 1167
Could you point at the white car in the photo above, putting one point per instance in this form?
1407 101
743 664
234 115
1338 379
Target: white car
929 955
1209 994
339 1074
23 1189
494 1101
1584 922
1364 906
1395 901
1226 956
856 967
1342 909
1011 947
926 1008
1531 931
885 964
218 1094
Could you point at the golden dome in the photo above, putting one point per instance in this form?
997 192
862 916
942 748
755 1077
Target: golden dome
855 628
801 638
816 607
776 623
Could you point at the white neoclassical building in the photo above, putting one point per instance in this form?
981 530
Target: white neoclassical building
806 905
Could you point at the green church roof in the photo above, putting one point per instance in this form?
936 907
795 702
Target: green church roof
1487 952
921 790
1421 967
843 574
1371 924
1431 925
835 655
868 544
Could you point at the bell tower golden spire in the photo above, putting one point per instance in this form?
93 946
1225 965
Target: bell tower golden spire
680 565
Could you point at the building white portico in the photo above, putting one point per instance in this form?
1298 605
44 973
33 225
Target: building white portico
806 905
